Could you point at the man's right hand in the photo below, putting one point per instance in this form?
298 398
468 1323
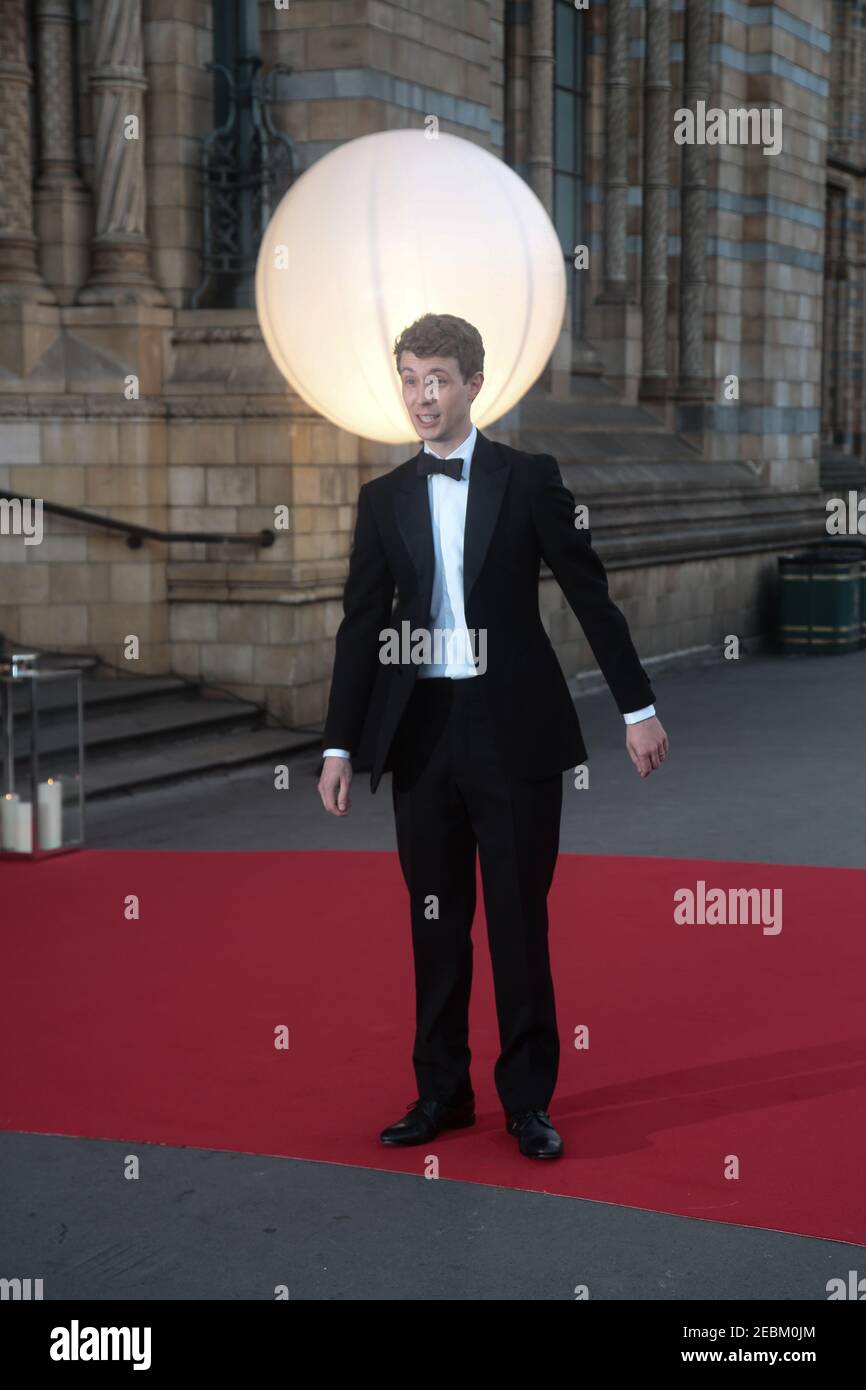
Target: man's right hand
334 785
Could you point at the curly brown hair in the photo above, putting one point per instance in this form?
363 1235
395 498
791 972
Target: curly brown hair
443 335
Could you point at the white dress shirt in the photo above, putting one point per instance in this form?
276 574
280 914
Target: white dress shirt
448 498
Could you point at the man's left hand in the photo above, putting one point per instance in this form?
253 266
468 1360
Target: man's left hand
647 745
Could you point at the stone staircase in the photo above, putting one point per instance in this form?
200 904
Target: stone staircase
842 471
146 731
653 494
595 427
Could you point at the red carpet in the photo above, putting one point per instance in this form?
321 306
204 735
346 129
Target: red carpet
705 1041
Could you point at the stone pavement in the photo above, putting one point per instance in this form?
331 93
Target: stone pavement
767 763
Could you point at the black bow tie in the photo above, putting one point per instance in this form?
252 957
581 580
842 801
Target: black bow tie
431 463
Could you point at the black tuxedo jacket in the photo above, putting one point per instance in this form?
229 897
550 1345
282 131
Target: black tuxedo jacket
518 512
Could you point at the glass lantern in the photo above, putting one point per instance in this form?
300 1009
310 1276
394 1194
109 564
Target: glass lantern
42 752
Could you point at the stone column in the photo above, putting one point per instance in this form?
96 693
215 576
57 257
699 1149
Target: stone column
693 272
657 141
120 270
61 203
20 280
557 374
846 98
616 318
616 153
541 102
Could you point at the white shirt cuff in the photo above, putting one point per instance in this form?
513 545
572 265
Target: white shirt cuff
637 715
336 753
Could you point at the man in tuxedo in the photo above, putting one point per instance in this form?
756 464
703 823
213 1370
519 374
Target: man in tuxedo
458 693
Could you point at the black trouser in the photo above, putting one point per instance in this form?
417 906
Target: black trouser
453 792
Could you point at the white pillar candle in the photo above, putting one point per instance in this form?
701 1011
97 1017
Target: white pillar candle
9 820
24 835
50 814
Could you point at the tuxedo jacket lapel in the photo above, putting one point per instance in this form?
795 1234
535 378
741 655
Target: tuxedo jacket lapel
488 477
412 513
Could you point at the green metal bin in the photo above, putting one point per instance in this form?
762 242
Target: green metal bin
852 548
820 600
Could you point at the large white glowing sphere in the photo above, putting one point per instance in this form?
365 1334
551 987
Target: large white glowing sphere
389 227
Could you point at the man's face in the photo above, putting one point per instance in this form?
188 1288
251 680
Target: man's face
437 398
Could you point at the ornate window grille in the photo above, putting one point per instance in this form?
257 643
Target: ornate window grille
247 166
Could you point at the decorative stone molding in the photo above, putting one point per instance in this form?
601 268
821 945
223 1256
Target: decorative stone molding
61 203
121 271
56 92
214 334
20 280
23 407
222 407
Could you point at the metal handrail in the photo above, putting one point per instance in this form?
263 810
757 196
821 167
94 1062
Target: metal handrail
136 534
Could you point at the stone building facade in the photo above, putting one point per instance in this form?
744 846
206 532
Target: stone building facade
706 392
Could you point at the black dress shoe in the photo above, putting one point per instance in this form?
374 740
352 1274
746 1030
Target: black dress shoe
426 1118
536 1136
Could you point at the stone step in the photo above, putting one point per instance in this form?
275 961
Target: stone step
203 757
142 731
584 386
621 446
58 697
841 470
120 730
582 416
